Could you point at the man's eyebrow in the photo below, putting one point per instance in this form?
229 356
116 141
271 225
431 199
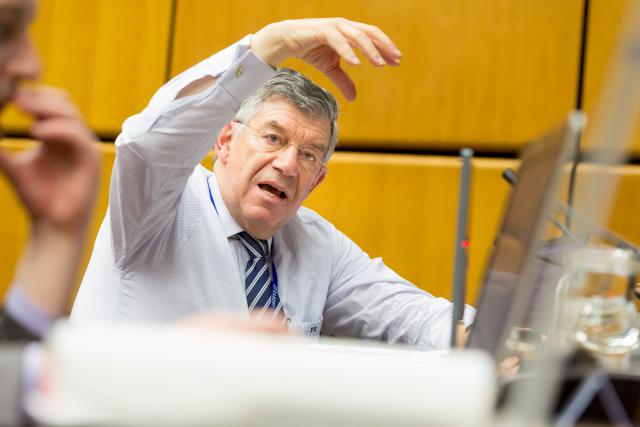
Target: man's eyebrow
277 127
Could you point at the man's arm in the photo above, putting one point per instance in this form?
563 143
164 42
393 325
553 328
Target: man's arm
367 299
159 148
56 181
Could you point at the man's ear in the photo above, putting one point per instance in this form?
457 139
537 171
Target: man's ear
223 143
321 175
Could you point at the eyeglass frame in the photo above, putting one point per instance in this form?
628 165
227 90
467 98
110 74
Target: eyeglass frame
286 143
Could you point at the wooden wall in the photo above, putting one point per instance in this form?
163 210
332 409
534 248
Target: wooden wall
491 73
488 74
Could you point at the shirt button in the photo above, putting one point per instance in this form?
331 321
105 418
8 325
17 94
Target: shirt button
239 71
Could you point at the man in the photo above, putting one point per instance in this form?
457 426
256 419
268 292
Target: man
178 239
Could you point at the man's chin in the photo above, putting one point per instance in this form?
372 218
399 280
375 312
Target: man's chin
264 223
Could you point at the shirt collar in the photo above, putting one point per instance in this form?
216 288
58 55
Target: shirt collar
229 225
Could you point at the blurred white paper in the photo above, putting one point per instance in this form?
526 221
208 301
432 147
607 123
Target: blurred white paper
152 375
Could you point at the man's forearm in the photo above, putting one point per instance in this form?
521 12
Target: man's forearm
47 280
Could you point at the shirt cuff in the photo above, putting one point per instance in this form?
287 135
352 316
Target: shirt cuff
22 309
246 75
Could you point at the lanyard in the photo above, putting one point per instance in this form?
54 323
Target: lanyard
275 299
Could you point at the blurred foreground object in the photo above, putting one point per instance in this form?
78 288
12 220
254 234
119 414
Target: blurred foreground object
146 375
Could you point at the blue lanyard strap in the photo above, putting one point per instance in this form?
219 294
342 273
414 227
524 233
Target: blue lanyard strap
275 298
211 198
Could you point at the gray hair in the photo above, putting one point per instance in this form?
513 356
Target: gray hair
300 91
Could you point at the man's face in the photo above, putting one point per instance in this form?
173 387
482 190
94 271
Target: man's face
263 189
18 59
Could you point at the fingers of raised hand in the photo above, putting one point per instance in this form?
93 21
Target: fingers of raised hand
63 131
45 102
58 121
343 82
370 40
363 42
340 44
326 60
384 45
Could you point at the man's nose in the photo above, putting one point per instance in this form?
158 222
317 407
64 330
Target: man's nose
287 160
24 63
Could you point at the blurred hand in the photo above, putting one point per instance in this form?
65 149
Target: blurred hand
57 180
322 43
462 335
509 367
229 322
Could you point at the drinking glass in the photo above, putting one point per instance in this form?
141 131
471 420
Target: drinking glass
598 304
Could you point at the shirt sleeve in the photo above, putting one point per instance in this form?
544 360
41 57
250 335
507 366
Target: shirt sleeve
369 300
23 320
159 148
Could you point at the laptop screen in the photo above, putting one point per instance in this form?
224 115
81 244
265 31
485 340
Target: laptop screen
526 210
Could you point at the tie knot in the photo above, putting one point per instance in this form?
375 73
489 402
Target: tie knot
254 247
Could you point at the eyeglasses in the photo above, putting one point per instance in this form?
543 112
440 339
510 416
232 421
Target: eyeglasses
310 158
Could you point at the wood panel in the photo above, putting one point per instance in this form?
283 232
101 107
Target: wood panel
111 55
619 186
486 73
606 21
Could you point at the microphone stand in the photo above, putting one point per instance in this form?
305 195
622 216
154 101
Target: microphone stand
462 244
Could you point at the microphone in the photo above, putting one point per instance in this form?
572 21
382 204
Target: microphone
462 244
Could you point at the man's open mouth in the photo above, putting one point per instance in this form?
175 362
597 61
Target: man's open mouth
271 189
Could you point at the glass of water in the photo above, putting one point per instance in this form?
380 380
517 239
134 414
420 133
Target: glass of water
599 300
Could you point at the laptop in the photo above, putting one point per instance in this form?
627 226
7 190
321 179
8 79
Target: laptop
511 260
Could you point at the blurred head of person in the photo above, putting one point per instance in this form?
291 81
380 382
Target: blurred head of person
18 58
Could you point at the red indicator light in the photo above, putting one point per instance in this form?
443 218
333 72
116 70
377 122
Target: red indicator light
465 244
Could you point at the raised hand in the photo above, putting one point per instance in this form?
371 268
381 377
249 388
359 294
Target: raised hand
56 180
322 43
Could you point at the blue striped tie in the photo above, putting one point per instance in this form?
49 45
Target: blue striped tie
257 278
